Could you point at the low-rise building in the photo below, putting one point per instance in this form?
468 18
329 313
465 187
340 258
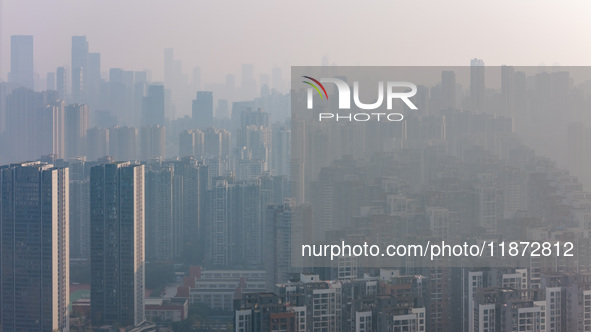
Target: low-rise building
166 309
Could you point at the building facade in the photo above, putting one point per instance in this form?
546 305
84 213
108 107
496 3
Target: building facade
34 264
117 244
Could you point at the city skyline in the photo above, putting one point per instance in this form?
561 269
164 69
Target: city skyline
164 167
185 27
222 208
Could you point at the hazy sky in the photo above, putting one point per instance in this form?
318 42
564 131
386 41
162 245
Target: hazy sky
220 35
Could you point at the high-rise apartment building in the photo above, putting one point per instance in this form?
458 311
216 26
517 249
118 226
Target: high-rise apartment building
193 189
76 124
97 143
51 137
79 208
117 244
191 143
164 231
123 143
152 142
34 268
236 224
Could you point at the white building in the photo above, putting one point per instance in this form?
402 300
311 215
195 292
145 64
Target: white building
414 321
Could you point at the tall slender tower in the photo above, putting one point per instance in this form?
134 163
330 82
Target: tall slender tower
61 82
79 67
21 61
117 244
163 231
76 124
34 269
448 89
477 85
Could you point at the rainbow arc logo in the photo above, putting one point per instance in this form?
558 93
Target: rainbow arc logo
315 86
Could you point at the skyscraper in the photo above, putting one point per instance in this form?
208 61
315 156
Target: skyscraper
97 143
76 125
508 90
220 252
487 201
94 67
152 142
78 83
61 82
79 66
123 143
164 231
153 106
216 142
121 97
79 51
93 78
256 140
277 235
448 89
203 109
281 151
5 90
27 116
51 138
194 185
34 273
21 61
191 143
223 109
187 143
50 81
168 66
79 208
236 225
477 86
117 244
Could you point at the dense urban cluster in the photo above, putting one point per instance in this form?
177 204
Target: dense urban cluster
177 205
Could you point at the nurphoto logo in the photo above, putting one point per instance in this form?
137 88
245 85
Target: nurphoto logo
392 91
